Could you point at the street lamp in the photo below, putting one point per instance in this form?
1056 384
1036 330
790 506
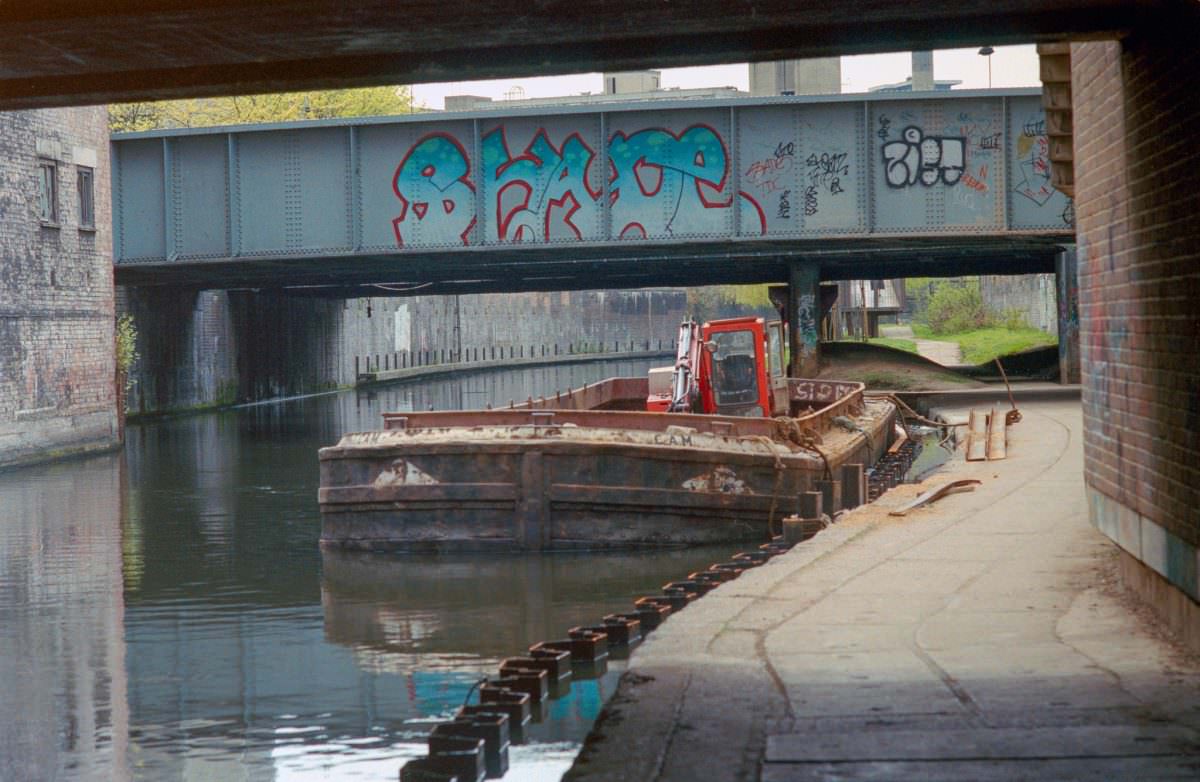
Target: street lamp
987 51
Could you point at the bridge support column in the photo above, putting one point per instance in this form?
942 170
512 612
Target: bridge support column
1066 271
1136 204
803 316
186 347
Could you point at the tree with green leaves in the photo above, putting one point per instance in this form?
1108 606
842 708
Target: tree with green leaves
248 109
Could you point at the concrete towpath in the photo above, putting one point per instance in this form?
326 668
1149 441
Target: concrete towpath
983 638
948 354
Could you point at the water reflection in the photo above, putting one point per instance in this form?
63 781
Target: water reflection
167 615
64 712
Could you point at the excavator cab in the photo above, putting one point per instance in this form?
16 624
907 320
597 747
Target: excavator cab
735 373
744 362
727 367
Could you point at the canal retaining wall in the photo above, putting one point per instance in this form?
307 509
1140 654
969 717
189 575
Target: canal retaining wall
57 365
1033 296
210 348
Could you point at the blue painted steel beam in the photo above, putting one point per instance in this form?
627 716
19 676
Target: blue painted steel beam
438 197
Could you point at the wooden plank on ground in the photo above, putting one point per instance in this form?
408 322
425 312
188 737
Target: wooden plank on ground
997 444
977 436
936 493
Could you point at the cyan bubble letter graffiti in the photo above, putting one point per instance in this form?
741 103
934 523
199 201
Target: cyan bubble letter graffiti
538 194
925 159
437 199
665 185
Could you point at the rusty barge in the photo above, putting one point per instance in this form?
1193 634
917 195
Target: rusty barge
592 469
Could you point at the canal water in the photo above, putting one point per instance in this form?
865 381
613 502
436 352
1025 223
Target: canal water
166 613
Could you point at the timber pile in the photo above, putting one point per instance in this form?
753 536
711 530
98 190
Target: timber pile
987 436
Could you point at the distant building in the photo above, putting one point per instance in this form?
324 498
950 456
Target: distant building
940 85
620 87
627 82
877 299
820 76
921 80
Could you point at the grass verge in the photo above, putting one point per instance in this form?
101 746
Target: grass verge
983 345
907 345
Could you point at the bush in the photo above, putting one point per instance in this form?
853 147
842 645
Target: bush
1014 320
126 347
956 308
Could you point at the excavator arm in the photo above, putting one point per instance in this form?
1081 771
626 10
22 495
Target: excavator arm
685 388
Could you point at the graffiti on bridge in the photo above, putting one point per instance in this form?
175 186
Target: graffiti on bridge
679 182
824 172
661 184
1033 154
436 196
768 176
539 193
928 160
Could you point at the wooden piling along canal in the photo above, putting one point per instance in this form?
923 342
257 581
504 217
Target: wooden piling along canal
586 470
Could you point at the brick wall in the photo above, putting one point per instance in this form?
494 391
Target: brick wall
57 385
1137 172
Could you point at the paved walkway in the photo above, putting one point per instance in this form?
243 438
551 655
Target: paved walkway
948 354
983 638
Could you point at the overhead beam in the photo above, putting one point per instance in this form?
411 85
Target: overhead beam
318 277
62 52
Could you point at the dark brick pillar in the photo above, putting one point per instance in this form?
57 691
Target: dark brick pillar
1137 172
1066 273
804 318
286 345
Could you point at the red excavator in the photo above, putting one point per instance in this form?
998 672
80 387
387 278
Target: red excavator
727 367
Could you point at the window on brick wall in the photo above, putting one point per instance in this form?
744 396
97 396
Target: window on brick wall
48 191
84 179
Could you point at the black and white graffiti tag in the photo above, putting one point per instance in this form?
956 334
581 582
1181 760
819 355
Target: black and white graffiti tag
924 159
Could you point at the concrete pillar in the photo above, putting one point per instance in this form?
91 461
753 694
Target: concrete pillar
819 76
815 76
1066 270
922 71
1136 200
804 282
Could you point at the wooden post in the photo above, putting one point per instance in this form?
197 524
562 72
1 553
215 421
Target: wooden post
831 496
854 490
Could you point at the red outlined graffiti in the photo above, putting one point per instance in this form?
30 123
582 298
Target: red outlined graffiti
549 178
662 183
688 187
570 205
762 216
436 169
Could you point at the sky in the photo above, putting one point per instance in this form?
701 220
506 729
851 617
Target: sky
1012 66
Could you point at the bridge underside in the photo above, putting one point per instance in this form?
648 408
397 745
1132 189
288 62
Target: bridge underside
63 52
490 270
